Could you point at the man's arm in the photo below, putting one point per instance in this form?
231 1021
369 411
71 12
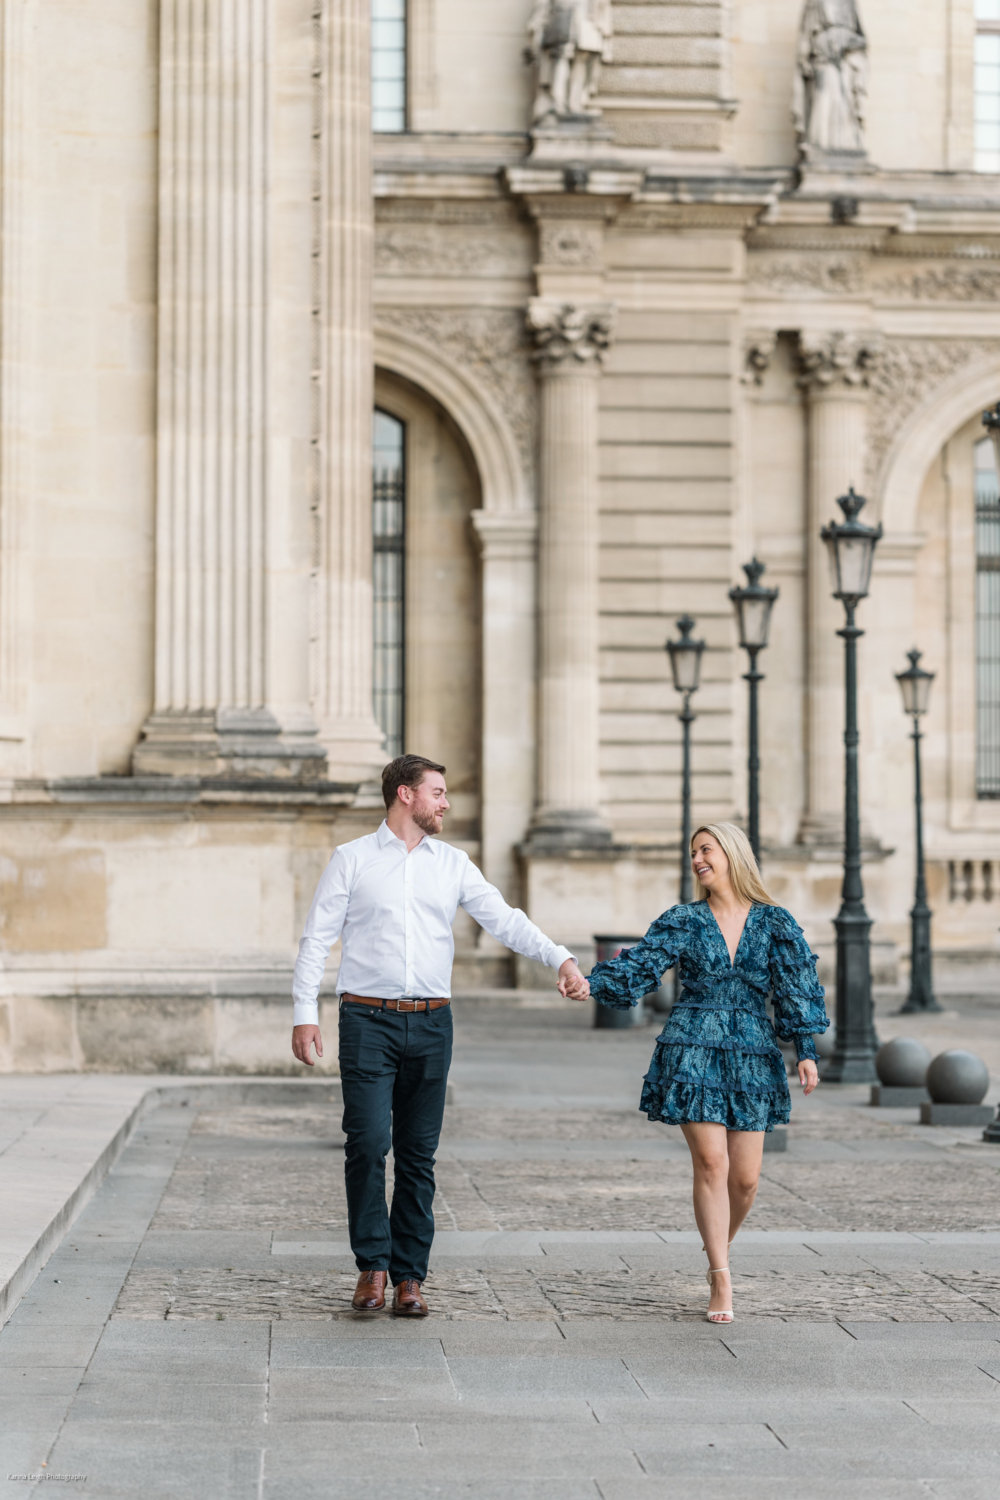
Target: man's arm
511 927
324 925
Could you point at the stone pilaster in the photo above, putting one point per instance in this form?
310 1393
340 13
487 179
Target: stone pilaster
508 542
571 340
212 713
342 657
835 371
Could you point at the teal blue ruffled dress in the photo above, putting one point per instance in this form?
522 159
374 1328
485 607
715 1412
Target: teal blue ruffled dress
717 1058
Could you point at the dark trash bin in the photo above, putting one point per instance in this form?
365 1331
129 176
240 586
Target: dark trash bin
606 1019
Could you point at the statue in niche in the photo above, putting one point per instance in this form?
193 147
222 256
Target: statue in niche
831 82
569 41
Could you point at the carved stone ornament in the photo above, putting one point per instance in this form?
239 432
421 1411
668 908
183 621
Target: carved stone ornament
569 41
831 80
758 350
421 249
828 360
491 344
907 373
568 243
811 271
949 283
565 334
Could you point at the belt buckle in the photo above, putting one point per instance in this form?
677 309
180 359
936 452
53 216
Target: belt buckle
406 1005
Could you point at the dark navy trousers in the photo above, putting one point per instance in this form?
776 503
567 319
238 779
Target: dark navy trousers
394 1073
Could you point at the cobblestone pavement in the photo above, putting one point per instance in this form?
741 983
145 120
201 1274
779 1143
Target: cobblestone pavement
192 1336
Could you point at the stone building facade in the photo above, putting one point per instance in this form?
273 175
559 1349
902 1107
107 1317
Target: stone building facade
634 291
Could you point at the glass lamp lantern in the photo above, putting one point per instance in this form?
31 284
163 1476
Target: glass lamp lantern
852 550
915 686
685 657
753 604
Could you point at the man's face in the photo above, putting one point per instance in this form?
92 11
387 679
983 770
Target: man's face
427 802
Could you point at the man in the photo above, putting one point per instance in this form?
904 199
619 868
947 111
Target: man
392 896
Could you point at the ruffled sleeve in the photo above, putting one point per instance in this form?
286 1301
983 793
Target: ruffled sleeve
622 981
799 1011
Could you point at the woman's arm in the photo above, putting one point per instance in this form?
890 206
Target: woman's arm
622 982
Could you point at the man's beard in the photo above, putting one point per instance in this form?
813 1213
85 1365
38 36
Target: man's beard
426 820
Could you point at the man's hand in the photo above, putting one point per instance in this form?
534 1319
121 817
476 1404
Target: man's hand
304 1039
808 1075
572 984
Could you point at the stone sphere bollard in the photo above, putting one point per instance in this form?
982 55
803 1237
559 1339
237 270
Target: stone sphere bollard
902 1063
957 1077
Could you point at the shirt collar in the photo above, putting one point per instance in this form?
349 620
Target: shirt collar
386 836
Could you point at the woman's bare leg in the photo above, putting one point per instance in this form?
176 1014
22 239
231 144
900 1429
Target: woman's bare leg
710 1159
746 1151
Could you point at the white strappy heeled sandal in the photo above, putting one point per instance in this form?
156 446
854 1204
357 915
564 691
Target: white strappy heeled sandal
718 1317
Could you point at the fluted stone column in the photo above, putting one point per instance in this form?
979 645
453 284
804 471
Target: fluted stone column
571 340
342 658
835 370
212 713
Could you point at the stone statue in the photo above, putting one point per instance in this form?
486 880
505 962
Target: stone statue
569 41
831 82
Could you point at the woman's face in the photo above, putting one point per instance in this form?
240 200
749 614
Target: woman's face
709 862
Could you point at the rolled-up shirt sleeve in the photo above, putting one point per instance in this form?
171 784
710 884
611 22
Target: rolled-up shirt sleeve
507 924
324 925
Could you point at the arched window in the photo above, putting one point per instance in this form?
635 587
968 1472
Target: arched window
987 622
388 65
389 577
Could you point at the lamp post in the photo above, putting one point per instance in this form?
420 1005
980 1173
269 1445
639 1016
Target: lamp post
852 551
991 421
915 686
753 604
685 664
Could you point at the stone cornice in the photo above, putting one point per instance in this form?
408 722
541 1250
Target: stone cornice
111 794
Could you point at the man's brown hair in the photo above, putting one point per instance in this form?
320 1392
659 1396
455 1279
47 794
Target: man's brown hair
405 770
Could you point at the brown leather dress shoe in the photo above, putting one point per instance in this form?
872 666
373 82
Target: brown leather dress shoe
369 1295
408 1300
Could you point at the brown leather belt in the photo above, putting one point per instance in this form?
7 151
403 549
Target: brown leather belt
403 1005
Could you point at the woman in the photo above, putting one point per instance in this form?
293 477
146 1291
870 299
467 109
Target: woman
717 1070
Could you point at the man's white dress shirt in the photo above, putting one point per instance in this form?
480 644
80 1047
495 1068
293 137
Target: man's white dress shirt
393 912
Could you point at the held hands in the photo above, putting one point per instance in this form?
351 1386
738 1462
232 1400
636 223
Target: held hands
304 1039
572 984
808 1075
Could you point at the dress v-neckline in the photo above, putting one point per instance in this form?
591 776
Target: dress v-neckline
722 935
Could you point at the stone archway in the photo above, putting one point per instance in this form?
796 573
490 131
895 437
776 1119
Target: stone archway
506 529
931 423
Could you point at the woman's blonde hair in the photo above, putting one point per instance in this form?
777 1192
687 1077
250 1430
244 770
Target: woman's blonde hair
744 872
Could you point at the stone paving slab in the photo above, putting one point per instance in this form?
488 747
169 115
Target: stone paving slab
61 1134
557 1361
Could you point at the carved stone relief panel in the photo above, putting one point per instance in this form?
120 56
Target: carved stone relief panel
452 239
952 282
493 344
830 273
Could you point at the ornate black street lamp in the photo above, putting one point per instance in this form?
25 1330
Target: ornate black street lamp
991 421
852 551
915 686
754 604
685 664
